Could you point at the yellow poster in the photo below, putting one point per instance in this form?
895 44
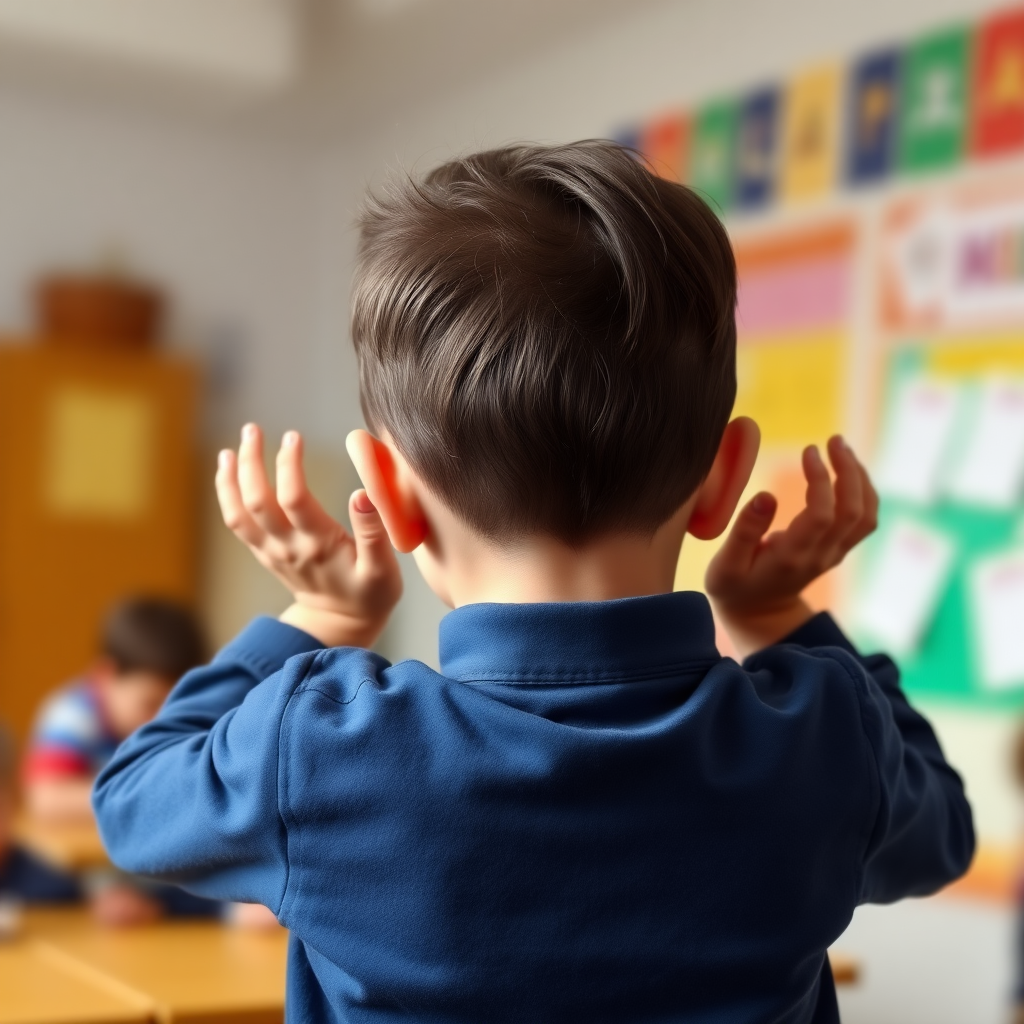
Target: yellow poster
792 387
810 133
100 458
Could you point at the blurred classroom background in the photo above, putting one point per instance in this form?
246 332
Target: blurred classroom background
178 182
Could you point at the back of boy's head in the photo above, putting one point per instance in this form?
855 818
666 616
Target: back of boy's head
148 634
547 335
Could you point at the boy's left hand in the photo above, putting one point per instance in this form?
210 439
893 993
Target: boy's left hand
755 581
344 586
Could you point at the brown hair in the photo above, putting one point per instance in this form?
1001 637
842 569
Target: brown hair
153 635
547 334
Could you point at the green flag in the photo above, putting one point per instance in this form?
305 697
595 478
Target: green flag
933 118
713 152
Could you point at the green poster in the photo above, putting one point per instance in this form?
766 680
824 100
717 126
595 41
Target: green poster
933 119
713 151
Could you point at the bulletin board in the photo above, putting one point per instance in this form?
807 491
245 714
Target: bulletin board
951 321
880 252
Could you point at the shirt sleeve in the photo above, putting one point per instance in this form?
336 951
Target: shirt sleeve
192 797
922 836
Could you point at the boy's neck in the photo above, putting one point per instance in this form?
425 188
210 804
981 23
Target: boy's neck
542 568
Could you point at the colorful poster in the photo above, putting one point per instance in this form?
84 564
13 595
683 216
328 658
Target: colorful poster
999 85
933 111
810 133
665 144
757 148
874 104
713 152
955 261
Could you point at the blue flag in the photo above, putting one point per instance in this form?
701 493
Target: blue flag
757 148
873 112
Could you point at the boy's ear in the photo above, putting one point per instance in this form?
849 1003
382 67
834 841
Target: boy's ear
388 489
720 493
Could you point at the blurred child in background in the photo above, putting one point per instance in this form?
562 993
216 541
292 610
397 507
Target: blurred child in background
22 876
146 646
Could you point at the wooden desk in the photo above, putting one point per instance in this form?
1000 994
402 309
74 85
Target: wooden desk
41 985
845 969
73 846
192 972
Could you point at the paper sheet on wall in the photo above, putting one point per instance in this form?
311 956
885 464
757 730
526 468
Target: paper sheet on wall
990 469
909 575
792 388
915 443
997 597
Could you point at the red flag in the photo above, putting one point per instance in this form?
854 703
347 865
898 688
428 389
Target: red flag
998 106
666 143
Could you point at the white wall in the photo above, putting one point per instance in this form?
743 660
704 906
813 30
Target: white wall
228 225
236 231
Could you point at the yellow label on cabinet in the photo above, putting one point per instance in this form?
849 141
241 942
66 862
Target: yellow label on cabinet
100 453
792 387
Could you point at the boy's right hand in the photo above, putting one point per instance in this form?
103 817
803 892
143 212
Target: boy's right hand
344 586
755 581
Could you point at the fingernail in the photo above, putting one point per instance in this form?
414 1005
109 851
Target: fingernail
249 431
763 504
223 457
815 454
362 503
290 439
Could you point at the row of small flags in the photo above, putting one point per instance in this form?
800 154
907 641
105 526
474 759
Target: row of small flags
953 94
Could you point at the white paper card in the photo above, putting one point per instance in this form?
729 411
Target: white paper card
997 597
915 442
990 470
908 578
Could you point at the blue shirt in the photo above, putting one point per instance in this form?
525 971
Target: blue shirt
588 815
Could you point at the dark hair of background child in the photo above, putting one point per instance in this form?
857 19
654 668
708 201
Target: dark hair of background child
548 336
154 635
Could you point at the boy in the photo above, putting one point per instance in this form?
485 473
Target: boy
588 814
23 876
146 644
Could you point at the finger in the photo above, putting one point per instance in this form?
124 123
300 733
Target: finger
811 524
869 517
296 500
741 546
229 497
374 553
257 495
848 489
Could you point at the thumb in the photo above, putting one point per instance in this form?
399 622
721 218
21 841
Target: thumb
373 545
751 525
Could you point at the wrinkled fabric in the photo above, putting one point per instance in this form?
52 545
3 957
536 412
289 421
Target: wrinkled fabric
588 815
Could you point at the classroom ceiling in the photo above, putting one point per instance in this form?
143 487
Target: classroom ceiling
370 56
361 61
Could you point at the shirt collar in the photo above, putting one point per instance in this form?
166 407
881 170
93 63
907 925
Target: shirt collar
585 641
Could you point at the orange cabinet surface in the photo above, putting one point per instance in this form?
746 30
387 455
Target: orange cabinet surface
97 501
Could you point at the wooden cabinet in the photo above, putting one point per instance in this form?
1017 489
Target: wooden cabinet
97 501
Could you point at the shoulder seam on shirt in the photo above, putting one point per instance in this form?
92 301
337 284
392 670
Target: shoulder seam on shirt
331 697
655 672
282 781
858 687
